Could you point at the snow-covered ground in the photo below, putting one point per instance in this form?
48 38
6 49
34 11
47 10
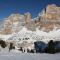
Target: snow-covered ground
18 55
28 56
34 35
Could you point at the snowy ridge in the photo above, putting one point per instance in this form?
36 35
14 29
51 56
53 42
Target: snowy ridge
37 35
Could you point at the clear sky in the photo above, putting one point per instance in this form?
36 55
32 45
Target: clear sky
22 6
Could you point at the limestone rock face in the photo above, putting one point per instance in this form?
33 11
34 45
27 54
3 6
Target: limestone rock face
28 22
13 23
47 20
50 18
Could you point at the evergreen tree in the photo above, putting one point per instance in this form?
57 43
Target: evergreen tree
3 43
51 47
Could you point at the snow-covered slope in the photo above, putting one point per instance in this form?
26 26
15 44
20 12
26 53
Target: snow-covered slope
28 56
37 35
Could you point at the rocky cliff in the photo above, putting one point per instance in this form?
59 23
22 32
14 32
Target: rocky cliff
47 20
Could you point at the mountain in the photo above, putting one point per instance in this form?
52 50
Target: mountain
49 18
13 23
45 25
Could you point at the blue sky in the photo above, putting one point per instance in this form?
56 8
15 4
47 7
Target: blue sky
22 6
